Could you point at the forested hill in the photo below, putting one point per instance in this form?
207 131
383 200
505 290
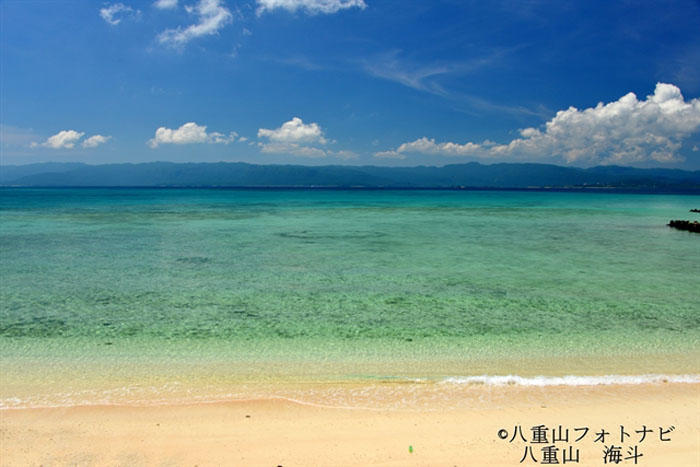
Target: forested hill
226 174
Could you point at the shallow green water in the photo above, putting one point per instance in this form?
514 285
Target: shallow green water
225 273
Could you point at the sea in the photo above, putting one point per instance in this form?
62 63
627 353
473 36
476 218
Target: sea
354 298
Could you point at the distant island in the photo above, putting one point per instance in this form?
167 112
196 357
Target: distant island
242 175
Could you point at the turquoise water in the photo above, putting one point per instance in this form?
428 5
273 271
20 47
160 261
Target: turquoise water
233 275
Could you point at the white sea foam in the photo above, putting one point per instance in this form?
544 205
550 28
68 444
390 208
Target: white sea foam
410 393
572 380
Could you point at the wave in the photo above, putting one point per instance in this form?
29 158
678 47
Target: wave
572 380
175 394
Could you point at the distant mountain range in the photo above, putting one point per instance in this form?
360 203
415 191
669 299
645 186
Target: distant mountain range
238 174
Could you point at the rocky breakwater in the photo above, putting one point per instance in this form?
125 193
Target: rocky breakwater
685 225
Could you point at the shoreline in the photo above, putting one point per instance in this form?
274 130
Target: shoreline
374 395
271 431
77 375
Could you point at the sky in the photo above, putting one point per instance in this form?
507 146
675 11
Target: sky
359 82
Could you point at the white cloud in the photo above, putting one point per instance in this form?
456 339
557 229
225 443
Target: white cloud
67 139
95 140
429 146
190 133
417 76
311 7
346 155
294 131
294 137
307 151
394 65
211 17
390 155
12 136
625 131
113 14
293 149
165 4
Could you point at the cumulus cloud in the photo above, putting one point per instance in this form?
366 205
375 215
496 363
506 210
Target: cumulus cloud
624 132
429 146
294 137
211 17
64 139
311 7
190 133
113 14
95 140
294 131
67 139
165 4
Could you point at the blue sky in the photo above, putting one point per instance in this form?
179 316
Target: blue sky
351 82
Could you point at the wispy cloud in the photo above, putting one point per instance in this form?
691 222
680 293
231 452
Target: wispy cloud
113 14
394 66
431 78
211 17
346 155
390 154
625 132
683 66
311 7
391 67
470 104
13 136
298 61
165 4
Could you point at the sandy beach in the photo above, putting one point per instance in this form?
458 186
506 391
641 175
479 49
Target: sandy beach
283 432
